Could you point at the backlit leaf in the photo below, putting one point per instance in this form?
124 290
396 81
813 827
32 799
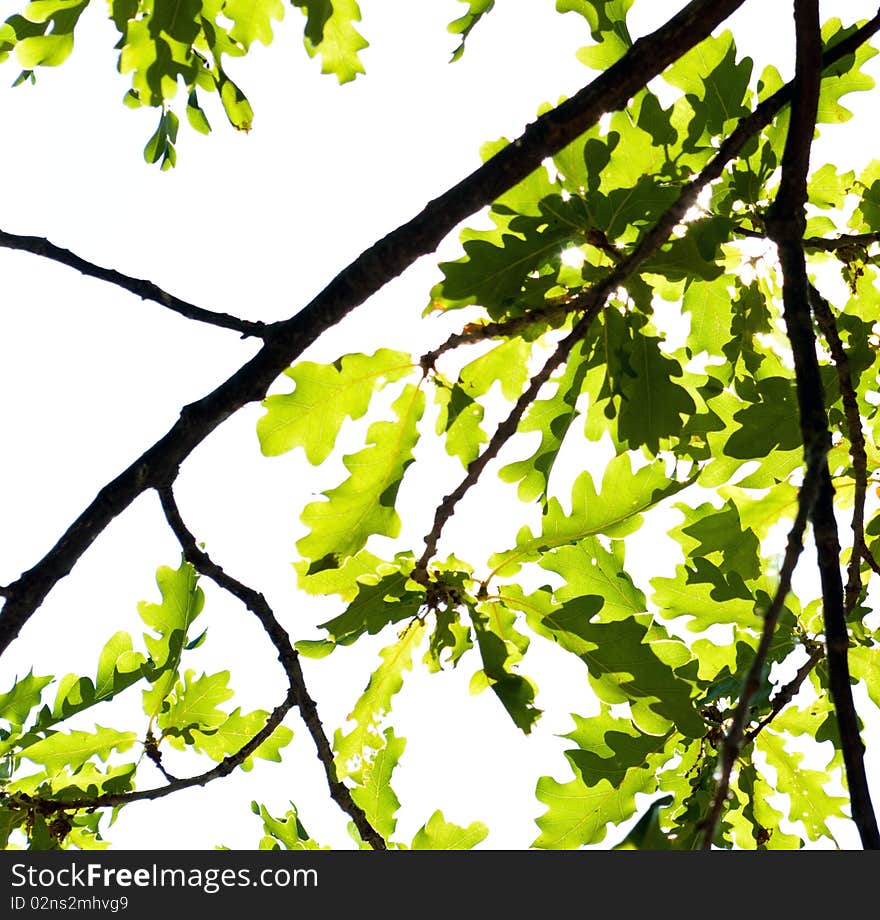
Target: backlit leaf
615 510
357 748
439 834
70 750
324 396
364 504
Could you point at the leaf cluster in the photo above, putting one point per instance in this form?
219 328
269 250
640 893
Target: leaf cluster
624 314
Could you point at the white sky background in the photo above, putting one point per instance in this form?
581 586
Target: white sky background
256 225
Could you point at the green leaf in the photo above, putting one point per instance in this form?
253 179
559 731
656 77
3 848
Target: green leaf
633 660
553 417
865 666
331 34
810 803
10 820
501 648
711 307
356 750
182 602
651 404
325 576
717 535
196 115
160 147
646 833
766 834
324 396
119 666
364 504
90 781
656 121
375 795
21 698
439 834
767 424
384 596
607 21
235 103
52 49
288 831
253 19
828 188
497 271
717 83
465 24
449 641
70 750
594 573
846 77
236 730
195 704
616 766
505 364
459 419
866 216
317 12
615 510
706 595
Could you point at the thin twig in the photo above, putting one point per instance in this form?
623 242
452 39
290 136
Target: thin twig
506 429
828 325
868 556
287 655
787 693
735 738
843 241
820 243
785 221
479 332
146 290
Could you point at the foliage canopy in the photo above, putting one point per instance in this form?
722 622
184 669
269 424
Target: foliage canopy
668 287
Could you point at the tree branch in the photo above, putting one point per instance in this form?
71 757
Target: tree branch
287 655
735 735
787 693
596 298
785 221
843 241
820 243
146 290
589 303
